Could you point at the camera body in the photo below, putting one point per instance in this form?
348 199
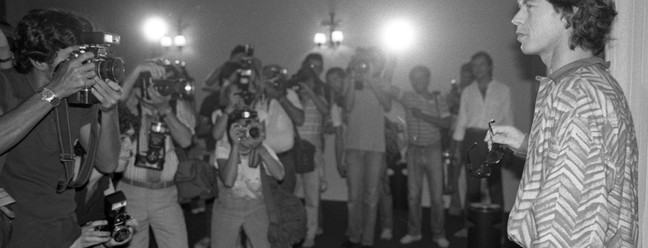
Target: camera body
117 217
154 157
106 67
246 74
360 66
178 84
250 118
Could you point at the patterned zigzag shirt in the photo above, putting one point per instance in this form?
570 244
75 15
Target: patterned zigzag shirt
579 186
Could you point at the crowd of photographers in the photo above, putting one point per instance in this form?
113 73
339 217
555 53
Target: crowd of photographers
91 155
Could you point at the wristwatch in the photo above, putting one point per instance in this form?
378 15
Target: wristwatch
50 97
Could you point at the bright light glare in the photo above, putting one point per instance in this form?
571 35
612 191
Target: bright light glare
398 35
166 41
154 28
320 39
180 40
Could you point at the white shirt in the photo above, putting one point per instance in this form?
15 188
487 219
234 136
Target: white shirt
476 111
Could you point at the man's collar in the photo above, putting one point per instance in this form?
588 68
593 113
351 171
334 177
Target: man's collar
573 66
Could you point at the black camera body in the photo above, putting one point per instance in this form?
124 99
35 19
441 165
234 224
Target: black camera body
154 157
106 67
117 217
251 123
179 85
245 74
360 67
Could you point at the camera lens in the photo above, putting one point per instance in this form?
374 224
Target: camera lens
110 68
254 132
121 234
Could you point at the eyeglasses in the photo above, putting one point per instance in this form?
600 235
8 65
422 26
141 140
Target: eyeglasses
494 157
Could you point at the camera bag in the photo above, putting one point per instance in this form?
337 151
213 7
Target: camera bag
67 150
286 213
195 179
304 153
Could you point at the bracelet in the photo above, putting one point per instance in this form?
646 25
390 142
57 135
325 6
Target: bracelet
7 59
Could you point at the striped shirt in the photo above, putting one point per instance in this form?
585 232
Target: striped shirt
311 129
420 132
579 185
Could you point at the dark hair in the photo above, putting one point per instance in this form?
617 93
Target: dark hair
591 20
467 67
313 56
237 49
420 68
227 70
336 70
43 32
483 54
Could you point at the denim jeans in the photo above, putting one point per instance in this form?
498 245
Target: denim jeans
159 209
365 169
425 161
228 217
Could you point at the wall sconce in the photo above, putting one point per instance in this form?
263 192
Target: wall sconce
166 42
335 37
180 41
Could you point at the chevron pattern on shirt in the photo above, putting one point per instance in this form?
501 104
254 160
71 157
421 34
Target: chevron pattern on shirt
579 183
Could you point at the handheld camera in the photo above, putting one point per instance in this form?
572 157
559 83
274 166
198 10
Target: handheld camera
154 157
106 67
246 74
178 84
117 217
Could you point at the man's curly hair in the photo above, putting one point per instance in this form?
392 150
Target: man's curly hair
43 32
591 20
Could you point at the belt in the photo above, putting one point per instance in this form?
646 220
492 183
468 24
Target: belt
160 185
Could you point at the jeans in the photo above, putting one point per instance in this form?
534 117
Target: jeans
365 169
425 161
228 219
386 203
159 209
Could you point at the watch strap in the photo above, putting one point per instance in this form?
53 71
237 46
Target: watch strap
50 97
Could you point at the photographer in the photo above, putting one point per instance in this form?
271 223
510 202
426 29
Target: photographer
29 125
241 203
281 105
312 172
148 174
365 104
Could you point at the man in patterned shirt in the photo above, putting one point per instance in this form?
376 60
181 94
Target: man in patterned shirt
579 183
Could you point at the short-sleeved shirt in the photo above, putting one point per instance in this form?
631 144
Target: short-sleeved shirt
419 131
44 218
247 186
366 123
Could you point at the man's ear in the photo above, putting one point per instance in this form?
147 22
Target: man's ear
41 66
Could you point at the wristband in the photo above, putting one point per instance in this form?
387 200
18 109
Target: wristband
6 60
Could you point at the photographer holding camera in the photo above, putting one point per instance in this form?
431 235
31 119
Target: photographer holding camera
365 104
49 69
148 179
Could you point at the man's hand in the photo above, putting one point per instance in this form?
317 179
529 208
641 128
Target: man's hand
237 132
274 93
89 237
156 70
107 92
73 76
505 135
157 100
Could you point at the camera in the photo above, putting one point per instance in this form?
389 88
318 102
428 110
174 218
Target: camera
251 122
246 74
106 67
117 217
154 157
179 85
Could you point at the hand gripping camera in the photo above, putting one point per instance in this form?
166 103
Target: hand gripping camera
117 217
251 122
178 83
106 67
154 157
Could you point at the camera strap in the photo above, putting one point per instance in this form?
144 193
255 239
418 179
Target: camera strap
67 150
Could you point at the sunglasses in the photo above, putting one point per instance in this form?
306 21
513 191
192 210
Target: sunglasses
494 157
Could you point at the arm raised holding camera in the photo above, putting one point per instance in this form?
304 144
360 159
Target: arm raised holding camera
180 132
71 77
